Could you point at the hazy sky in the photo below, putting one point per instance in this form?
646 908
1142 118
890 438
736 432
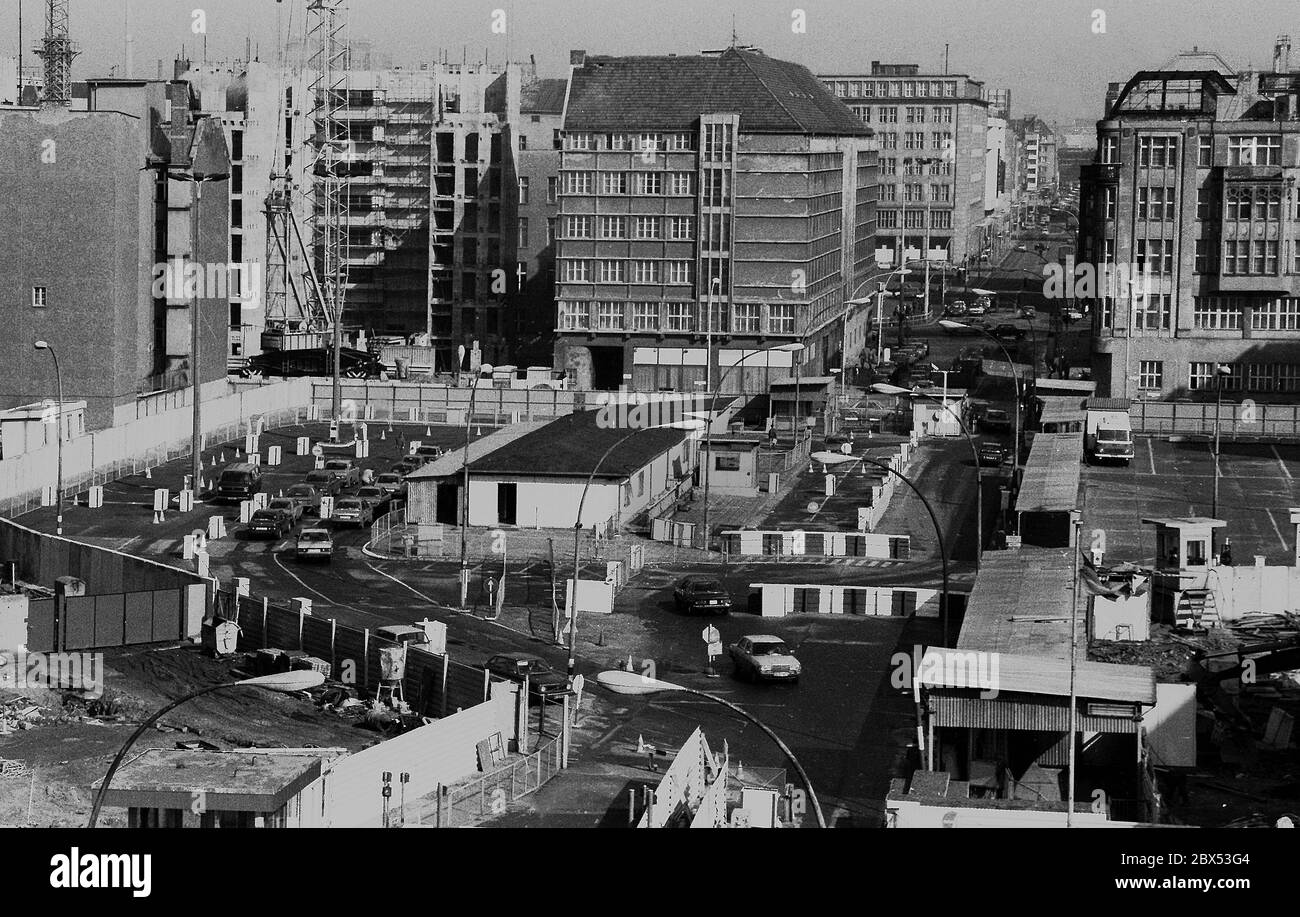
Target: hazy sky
1046 52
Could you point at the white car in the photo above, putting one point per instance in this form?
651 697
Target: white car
764 657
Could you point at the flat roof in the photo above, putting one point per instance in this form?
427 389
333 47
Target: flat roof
1021 603
1051 476
1041 675
1061 409
1065 386
572 445
230 781
1107 404
452 461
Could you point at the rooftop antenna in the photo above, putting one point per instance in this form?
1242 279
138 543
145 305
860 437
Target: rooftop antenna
945 58
734 40
57 51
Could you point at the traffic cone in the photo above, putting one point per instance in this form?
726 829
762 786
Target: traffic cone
223 456
383 434
428 431
640 744
478 431
157 517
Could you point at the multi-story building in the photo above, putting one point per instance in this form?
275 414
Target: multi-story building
931 133
538 134
1195 186
710 206
90 216
1036 146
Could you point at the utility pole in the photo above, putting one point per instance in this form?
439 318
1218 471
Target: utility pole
1077 521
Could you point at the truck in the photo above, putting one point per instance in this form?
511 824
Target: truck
1107 433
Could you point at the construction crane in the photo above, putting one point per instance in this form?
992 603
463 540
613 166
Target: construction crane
57 51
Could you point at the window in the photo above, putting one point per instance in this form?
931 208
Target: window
616 141
679 272
887 219
715 188
609 316
1205 151
1200 376
648 183
717 142
550 230
1295 256
888 165
1155 204
1151 374
40 297
645 316
1216 313
576 271
1265 150
679 316
679 229
914 219
941 193
649 143
645 271
572 315
1279 315
726 462
915 114
941 114
552 189
1203 264
681 184
679 141
579 141
889 140
523 138
889 114
1110 202
746 318
941 219
1152 313
914 140
577 227
577 182
613 227
523 232
780 318
611 271
613 183
523 189
1110 150
1204 201
889 193
1157 152
1155 256
647 228
913 192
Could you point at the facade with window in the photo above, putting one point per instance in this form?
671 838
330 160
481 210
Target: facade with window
708 226
1195 181
532 298
934 128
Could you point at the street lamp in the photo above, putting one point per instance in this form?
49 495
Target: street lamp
886 389
1220 370
284 682
1016 381
577 525
58 434
632 683
853 301
708 430
836 458
464 490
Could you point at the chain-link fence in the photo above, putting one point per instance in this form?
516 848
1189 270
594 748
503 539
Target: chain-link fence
487 796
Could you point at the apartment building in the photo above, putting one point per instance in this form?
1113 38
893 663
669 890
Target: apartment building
1036 145
931 133
711 206
1195 184
532 307
90 210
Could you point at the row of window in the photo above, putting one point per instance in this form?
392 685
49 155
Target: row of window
913 219
1153 312
1234 257
1162 152
915 166
906 89
648 142
888 114
678 184
618 270
916 192
736 318
1230 377
915 140
674 229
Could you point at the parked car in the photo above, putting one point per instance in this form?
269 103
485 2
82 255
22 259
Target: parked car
325 483
884 372
306 496
394 484
345 471
290 507
543 681
314 543
956 307
762 656
353 511
313 361
403 633
992 453
429 452
407 465
701 594
986 302
1008 332
995 419
976 308
272 523
376 498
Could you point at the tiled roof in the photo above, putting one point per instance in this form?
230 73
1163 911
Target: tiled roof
543 96
670 93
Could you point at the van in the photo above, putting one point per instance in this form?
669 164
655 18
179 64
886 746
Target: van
239 482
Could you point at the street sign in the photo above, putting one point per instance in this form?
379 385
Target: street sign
710 634
317 451
715 649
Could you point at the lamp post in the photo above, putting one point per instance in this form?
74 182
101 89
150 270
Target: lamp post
577 525
632 683
284 682
852 301
885 389
1220 370
834 458
464 490
708 429
708 333
58 434
1016 382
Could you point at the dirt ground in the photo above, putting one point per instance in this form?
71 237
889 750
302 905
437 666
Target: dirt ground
51 756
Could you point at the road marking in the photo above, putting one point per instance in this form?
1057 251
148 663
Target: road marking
407 586
842 642
1281 464
1285 546
1151 455
299 581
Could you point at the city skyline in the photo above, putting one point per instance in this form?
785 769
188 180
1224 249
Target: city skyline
987 40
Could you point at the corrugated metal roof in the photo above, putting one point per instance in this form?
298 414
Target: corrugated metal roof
1107 404
1011 674
1061 409
1064 386
1051 476
1019 714
1021 604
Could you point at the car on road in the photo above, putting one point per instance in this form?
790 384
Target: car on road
1008 332
986 302
306 496
701 595
353 511
269 523
884 372
995 419
345 471
394 484
239 481
314 543
325 483
955 308
403 633
290 507
992 453
407 465
976 308
428 452
543 681
377 498
764 657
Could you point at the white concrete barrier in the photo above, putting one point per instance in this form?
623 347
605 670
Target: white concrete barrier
185 501
95 497
203 564
260 500
245 511
304 445
298 603
216 527
274 455
363 448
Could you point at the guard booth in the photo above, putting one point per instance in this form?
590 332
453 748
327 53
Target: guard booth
1184 590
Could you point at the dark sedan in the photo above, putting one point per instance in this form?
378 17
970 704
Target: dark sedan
701 595
543 681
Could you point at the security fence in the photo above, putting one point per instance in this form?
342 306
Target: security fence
486 796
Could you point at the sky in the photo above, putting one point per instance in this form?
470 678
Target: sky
1056 56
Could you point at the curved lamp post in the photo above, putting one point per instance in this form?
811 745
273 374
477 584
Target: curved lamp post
1016 381
632 683
577 525
464 491
708 430
836 458
285 682
886 389
854 301
58 434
